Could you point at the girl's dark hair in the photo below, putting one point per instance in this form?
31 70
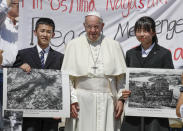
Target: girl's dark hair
148 24
46 21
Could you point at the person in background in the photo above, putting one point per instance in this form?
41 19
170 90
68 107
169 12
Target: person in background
42 56
9 12
96 67
149 54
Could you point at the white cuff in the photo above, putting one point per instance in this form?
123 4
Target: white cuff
73 97
119 95
73 93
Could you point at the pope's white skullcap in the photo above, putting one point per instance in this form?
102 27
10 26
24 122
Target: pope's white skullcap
94 13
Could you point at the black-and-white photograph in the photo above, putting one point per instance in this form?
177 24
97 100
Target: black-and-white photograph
34 92
12 120
154 92
41 89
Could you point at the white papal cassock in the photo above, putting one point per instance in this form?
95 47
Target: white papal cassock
95 89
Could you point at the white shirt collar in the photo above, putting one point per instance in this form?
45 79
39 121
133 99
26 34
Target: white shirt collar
39 49
146 52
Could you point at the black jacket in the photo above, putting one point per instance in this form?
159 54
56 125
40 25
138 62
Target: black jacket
159 57
31 57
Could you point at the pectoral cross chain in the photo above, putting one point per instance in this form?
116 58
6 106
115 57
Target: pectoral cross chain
95 61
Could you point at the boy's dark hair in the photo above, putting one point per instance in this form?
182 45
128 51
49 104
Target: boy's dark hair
45 21
148 24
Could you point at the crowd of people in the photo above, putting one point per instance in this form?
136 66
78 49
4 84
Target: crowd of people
96 67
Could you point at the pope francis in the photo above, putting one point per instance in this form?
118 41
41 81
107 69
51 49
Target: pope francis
96 67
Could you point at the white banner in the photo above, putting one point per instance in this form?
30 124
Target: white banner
119 17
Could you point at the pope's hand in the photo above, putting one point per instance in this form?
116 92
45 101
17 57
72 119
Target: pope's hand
74 110
126 94
118 109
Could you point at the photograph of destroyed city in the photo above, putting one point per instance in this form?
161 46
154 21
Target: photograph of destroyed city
37 90
153 88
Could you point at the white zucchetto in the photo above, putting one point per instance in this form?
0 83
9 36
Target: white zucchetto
94 13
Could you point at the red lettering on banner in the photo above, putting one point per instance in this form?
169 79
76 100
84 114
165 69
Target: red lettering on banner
71 6
128 5
38 2
81 6
89 5
55 8
22 3
33 4
116 4
92 5
58 5
142 4
61 4
153 2
113 5
85 6
178 54
124 4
